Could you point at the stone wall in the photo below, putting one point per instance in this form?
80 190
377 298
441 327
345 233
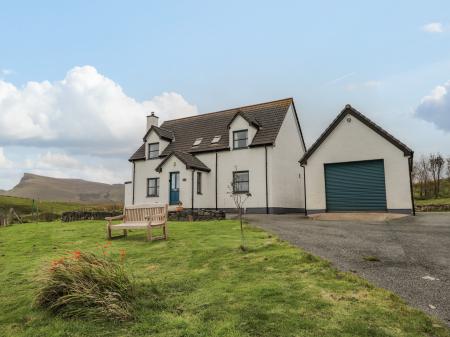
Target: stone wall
196 215
433 208
87 215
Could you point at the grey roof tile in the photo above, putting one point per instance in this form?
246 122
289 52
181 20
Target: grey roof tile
268 116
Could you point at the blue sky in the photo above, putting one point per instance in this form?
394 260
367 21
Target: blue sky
391 60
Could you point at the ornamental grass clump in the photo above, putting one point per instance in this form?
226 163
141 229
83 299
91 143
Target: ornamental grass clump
84 285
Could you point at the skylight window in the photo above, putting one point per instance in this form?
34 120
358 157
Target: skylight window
198 141
215 139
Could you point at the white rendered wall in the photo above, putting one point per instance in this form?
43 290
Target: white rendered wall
128 199
154 138
286 187
355 141
146 169
239 123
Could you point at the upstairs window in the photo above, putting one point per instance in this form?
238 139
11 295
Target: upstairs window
240 182
199 183
216 139
198 141
153 187
153 150
240 139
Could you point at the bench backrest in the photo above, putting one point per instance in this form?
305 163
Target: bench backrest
141 213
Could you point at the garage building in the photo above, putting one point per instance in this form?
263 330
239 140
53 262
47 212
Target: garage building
356 166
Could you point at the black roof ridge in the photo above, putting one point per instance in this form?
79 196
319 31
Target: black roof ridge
225 110
365 120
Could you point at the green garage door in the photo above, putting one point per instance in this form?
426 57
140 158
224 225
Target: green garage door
355 186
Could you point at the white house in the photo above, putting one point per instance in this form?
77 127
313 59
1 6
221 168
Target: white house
354 166
195 160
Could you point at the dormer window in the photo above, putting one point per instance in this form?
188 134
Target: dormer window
153 150
198 141
216 139
240 139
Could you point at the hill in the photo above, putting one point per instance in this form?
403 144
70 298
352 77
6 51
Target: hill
66 190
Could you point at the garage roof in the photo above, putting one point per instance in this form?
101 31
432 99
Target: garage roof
349 110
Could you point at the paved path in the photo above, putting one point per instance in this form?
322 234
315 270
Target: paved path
409 249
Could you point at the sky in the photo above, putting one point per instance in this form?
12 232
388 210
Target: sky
77 79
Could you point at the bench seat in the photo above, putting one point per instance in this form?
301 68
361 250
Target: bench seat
140 217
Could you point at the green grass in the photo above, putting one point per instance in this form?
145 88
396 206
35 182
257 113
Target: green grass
439 201
444 195
371 258
198 283
24 205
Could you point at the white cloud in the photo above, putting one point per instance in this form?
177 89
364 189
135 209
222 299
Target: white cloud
85 112
50 160
62 165
435 107
5 163
5 72
433 27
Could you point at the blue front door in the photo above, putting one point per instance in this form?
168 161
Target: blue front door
174 189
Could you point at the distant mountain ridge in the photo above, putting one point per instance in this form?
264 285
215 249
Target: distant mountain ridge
70 190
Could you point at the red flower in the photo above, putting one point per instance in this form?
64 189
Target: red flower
76 254
56 263
122 253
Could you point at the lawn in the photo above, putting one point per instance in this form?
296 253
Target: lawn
200 284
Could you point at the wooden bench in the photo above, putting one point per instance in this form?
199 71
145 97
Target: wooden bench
140 217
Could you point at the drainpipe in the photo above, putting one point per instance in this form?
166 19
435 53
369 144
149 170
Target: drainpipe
216 181
192 202
304 185
267 184
134 180
410 163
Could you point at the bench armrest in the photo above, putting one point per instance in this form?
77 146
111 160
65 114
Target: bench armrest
110 218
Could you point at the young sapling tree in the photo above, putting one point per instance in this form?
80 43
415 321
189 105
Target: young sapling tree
239 193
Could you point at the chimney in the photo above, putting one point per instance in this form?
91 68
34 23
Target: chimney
152 120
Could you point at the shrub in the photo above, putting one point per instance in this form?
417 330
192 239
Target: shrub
84 285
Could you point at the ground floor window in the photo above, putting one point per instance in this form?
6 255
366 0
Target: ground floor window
152 187
240 182
199 183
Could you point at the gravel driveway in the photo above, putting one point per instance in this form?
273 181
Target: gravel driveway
413 252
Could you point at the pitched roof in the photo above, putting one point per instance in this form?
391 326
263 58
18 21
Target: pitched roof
163 133
269 116
349 110
139 154
249 118
188 159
